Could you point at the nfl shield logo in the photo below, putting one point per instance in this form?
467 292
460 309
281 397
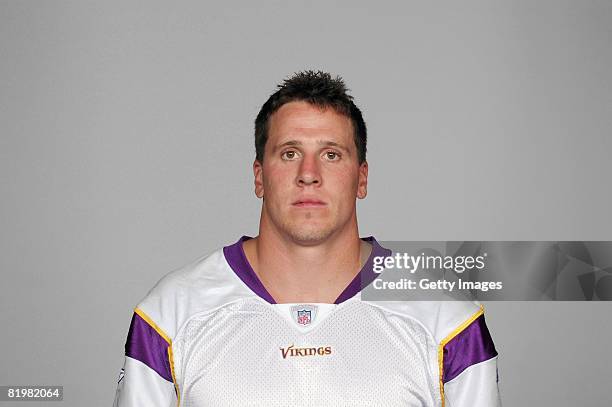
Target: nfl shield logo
303 317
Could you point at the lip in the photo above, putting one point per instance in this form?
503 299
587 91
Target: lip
309 203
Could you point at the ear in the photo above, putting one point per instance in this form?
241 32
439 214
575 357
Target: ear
258 175
362 185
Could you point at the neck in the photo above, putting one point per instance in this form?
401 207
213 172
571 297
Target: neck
294 272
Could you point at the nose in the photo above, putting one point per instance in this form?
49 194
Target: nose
309 172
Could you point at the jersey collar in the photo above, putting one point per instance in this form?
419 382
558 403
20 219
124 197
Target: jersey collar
237 260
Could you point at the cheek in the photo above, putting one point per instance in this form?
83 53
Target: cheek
347 181
277 179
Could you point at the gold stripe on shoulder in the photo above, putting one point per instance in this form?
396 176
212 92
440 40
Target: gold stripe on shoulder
464 325
446 340
153 325
161 333
171 359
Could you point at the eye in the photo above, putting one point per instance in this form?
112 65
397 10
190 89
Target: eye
289 155
332 155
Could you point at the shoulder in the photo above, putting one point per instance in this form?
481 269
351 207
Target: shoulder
458 329
440 319
205 284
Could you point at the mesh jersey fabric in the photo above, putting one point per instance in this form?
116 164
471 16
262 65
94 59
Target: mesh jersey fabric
209 334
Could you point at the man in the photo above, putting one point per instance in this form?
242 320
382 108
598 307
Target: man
276 320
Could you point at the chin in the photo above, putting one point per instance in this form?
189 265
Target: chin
309 235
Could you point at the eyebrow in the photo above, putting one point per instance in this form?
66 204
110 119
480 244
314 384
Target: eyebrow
319 142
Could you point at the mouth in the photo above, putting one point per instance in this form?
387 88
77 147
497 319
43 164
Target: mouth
309 203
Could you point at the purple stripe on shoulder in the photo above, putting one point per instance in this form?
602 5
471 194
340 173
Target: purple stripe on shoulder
234 254
146 345
471 346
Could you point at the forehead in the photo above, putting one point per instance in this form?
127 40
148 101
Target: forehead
302 119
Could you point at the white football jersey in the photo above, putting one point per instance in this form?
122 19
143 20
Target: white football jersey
211 335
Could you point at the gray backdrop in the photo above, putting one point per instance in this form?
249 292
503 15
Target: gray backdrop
126 152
